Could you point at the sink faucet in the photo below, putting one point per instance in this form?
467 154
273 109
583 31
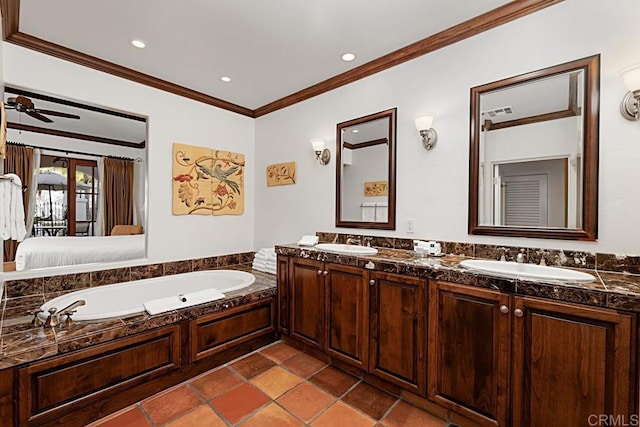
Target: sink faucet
502 251
367 241
522 256
353 241
543 254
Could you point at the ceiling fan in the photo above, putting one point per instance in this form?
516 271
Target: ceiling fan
22 104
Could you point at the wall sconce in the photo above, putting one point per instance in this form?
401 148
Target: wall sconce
323 155
424 123
630 105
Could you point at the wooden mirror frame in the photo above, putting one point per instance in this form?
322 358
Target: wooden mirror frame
390 224
591 111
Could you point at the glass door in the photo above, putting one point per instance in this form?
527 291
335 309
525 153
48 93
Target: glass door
83 197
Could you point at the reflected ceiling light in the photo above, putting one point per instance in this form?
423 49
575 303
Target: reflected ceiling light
323 155
424 124
630 105
225 79
348 57
355 131
138 43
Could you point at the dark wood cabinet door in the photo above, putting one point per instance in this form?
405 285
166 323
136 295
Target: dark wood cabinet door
283 294
398 330
570 363
468 357
347 315
217 332
307 293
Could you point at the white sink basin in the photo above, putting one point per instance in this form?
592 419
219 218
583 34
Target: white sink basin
339 248
527 271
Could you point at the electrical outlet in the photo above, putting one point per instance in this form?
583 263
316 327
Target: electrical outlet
409 226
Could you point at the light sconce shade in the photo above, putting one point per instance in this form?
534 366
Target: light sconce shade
323 155
424 124
630 105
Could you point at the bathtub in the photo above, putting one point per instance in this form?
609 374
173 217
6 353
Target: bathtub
128 298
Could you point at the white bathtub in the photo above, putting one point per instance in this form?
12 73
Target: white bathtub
127 298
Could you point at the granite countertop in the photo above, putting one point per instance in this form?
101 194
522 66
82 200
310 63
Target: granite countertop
22 342
611 290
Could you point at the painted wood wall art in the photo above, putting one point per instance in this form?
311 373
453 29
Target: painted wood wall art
281 174
375 188
207 181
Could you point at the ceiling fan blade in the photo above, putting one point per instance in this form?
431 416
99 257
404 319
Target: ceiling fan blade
39 116
57 114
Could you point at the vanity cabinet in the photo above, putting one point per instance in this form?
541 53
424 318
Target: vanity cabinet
559 363
469 344
307 293
570 362
329 309
373 321
398 330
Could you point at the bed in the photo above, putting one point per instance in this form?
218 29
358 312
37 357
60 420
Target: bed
42 252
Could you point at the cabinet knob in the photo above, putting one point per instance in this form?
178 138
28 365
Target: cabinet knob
319 272
324 273
372 282
518 312
504 309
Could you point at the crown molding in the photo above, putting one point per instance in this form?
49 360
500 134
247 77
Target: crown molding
10 10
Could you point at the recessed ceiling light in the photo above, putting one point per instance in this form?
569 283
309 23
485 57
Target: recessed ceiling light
348 57
355 131
225 79
138 43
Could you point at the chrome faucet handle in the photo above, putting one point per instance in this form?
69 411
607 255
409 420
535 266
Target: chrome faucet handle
36 320
502 251
52 319
522 256
353 241
543 253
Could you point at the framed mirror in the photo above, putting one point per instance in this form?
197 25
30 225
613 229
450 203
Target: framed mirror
83 172
366 172
533 168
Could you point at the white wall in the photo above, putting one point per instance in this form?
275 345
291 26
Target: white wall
432 186
368 164
171 119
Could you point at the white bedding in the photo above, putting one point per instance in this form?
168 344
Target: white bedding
42 252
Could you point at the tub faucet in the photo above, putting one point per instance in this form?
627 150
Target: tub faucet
353 241
54 315
522 256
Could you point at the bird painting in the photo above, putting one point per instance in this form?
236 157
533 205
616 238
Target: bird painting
222 176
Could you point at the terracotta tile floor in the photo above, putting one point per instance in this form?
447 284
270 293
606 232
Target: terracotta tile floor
276 386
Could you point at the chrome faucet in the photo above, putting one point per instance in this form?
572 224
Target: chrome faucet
502 251
522 256
367 241
54 315
353 241
542 254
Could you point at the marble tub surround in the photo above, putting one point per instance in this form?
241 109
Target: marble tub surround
21 342
55 285
610 289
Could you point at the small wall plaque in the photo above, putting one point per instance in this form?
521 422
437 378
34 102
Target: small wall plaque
281 174
375 188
